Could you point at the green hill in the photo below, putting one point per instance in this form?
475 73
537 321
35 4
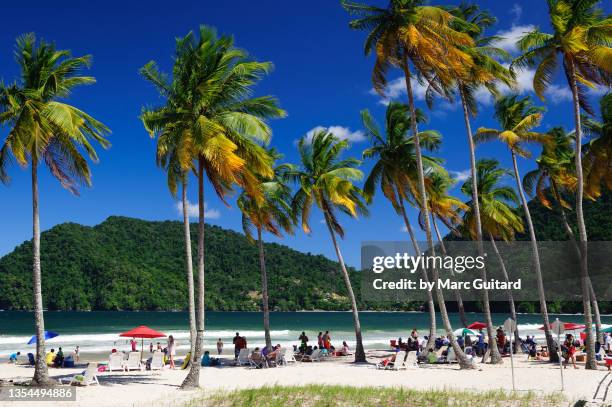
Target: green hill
131 264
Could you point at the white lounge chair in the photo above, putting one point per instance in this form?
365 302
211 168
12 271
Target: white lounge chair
397 364
411 360
243 357
115 362
451 356
157 361
89 376
288 357
133 362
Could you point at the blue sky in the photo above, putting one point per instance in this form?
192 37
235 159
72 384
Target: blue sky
321 78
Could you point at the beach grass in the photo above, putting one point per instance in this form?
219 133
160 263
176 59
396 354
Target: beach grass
321 396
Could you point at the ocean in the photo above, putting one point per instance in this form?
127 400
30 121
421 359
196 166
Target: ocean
98 331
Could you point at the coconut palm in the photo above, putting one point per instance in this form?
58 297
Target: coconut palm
45 130
597 165
326 180
444 207
555 175
174 156
517 117
485 73
581 39
223 126
273 214
407 34
499 218
395 171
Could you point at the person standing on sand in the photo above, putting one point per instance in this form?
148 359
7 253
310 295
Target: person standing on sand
304 342
77 358
237 341
151 347
171 350
219 346
134 344
320 340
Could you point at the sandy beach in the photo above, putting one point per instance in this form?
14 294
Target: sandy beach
143 388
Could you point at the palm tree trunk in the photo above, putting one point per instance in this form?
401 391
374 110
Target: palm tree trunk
572 236
264 290
464 362
495 355
502 265
189 270
554 357
192 380
359 352
431 339
590 363
41 374
460 306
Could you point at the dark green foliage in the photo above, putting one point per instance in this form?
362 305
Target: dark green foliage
131 264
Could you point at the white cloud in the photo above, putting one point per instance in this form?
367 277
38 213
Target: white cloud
343 133
397 88
404 229
516 11
192 210
558 93
460 176
511 36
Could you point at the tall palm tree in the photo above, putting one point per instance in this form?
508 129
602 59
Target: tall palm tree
326 180
406 34
555 171
174 156
597 164
395 171
223 126
444 207
46 130
485 73
499 217
581 39
517 117
273 214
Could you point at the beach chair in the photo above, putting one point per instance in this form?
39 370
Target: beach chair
398 364
315 356
133 362
115 362
288 357
157 361
86 378
451 357
411 360
258 361
243 357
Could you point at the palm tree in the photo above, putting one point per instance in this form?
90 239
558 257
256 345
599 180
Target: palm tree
517 117
581 38
597 164
499 217
327 181
46 130
174 156
222 126
485 73
395 171
556 171
406 34
444 207
272 214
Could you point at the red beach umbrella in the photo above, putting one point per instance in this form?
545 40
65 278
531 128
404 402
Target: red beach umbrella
142 332
568 326
477 325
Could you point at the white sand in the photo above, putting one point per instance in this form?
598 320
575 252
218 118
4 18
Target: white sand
143 388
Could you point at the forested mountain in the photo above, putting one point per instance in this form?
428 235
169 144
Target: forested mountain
131 264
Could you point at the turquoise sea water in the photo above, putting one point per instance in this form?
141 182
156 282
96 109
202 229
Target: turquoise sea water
99 331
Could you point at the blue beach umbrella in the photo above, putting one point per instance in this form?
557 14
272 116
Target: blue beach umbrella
48 335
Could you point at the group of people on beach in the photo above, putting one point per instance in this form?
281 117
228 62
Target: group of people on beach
323 343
